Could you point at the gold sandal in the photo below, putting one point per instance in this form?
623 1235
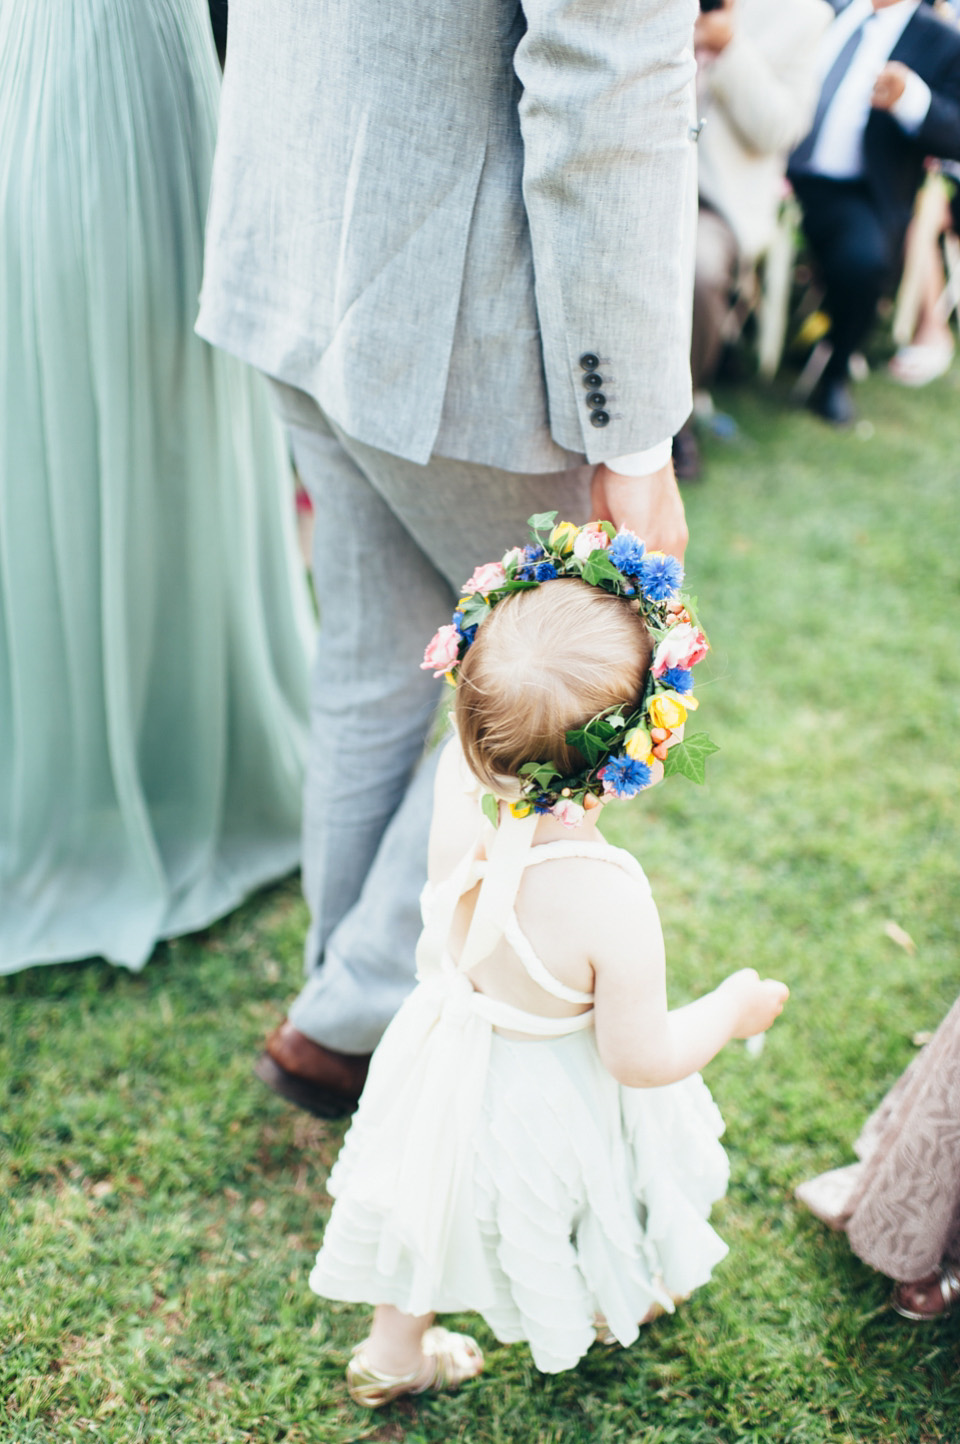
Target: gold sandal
448 1361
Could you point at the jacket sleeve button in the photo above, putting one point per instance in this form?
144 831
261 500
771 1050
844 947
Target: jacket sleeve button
589 362
592 380
595 399
599 418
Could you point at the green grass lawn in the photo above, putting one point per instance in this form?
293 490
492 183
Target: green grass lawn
160 1209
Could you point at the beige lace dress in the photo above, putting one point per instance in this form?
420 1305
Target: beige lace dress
900 1205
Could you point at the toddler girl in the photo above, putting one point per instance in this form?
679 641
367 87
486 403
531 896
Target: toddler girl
534 1142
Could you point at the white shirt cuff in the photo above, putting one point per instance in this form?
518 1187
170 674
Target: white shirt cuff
910 111
642 463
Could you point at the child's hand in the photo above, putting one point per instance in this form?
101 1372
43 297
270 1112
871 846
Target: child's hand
757 1001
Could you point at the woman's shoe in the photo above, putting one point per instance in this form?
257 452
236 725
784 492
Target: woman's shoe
919 365
449 1360
928 1298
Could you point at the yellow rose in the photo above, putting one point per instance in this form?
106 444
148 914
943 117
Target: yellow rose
523 808
666 710
563 537
638 744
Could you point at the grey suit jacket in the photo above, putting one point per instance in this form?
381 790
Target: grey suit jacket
425 213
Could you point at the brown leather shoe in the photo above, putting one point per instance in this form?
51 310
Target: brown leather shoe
318 1079
687 463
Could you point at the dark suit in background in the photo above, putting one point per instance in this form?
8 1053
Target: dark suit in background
855 226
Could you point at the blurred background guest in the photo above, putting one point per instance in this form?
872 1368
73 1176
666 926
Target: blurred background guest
154 622
889 73
756 85
926 297
900 1205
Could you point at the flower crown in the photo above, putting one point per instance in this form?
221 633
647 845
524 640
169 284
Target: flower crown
625 752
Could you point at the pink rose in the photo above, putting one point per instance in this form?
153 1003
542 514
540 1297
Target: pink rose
568 812
590 539
486 579
442 651
683 646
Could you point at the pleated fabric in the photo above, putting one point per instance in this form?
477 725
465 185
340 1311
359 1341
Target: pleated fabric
586 1199
155 626
517 1178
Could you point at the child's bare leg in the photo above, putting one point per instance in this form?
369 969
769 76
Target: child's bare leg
405 1354
394 1345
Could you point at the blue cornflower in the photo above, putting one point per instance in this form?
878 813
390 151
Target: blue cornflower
533 553
624 776
542 805
660 576
626 553
467 633
537 571
679 678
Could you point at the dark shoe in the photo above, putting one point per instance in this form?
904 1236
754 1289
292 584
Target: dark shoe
832 401
686 455
325 1083
928 1298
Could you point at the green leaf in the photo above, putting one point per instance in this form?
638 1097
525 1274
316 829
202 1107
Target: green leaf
609 528
599 568
543 521
688 758
491 808
585 741
542 773
474 609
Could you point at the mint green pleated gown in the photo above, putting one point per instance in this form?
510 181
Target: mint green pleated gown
154 621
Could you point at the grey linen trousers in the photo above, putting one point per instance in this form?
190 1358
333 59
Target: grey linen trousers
425 217
393 542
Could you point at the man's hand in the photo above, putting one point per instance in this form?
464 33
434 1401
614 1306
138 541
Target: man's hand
650 506
714 28
889 85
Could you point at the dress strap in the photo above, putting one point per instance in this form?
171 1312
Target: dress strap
604 851
503 1015
533 965
536 969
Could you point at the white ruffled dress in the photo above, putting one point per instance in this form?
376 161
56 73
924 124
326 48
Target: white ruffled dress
517 1178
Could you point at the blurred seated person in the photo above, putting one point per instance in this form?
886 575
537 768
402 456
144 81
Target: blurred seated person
929 351
890 96
757 89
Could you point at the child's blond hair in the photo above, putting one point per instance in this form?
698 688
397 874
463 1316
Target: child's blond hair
543 663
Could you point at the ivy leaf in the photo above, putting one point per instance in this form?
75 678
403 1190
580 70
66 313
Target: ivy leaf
589 741
599 568
542 521
542 773
474 609
491 808
688 758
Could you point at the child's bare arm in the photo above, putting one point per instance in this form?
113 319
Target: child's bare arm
641 1042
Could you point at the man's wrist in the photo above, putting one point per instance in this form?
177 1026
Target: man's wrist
642 463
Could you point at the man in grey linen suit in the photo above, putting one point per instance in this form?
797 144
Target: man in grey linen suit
459 239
